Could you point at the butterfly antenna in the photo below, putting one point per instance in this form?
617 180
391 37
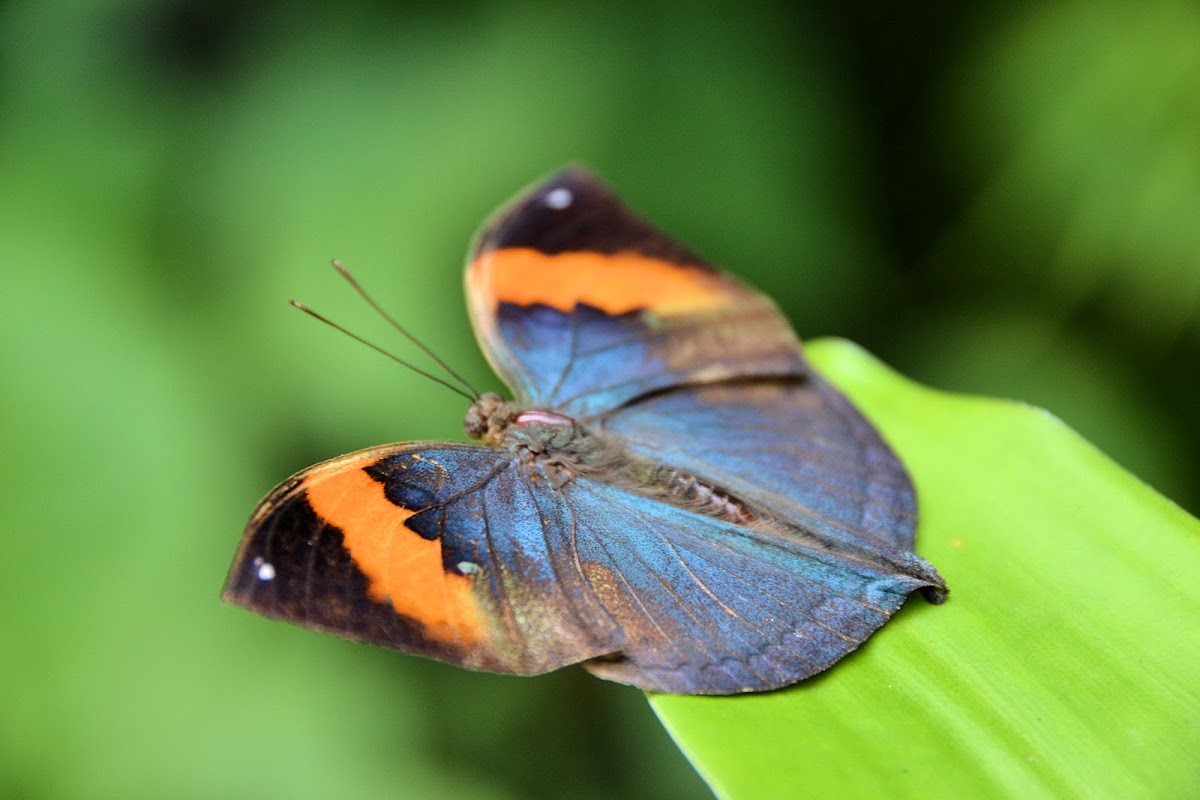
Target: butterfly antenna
378 349
345 273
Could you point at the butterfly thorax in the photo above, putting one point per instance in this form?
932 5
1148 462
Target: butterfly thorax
562 448
551 439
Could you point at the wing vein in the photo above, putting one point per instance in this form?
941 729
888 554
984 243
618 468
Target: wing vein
696 579
499 591
570 362
633 595
785 603
680 601
565 588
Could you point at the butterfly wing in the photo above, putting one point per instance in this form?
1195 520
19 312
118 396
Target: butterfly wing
796 448
580 305
439 549
709 607
469 556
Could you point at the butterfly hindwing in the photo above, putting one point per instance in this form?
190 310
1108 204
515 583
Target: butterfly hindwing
709 607
795 447
580 305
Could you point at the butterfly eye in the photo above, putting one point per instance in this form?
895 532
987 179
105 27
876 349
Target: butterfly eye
559 198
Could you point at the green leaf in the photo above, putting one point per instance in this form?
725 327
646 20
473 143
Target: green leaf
1066 661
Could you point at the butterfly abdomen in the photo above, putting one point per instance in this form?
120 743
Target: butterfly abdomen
687 491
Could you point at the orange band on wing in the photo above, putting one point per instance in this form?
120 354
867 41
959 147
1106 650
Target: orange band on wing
401 566
613 283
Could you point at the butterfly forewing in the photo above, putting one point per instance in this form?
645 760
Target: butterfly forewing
440 549
580 305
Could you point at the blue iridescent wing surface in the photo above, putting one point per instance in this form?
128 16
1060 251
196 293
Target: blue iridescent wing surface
580 305
709 607
445 550
795 448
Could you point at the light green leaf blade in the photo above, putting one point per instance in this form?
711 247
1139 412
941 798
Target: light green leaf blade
1065 663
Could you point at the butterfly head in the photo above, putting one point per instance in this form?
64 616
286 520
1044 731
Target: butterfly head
499 423
487 417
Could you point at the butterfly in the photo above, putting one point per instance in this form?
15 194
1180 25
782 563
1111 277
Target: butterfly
674 498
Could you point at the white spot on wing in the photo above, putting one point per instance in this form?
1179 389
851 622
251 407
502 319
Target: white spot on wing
559 198
266 571
468 568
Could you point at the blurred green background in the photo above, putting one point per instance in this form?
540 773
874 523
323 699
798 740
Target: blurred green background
999 198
